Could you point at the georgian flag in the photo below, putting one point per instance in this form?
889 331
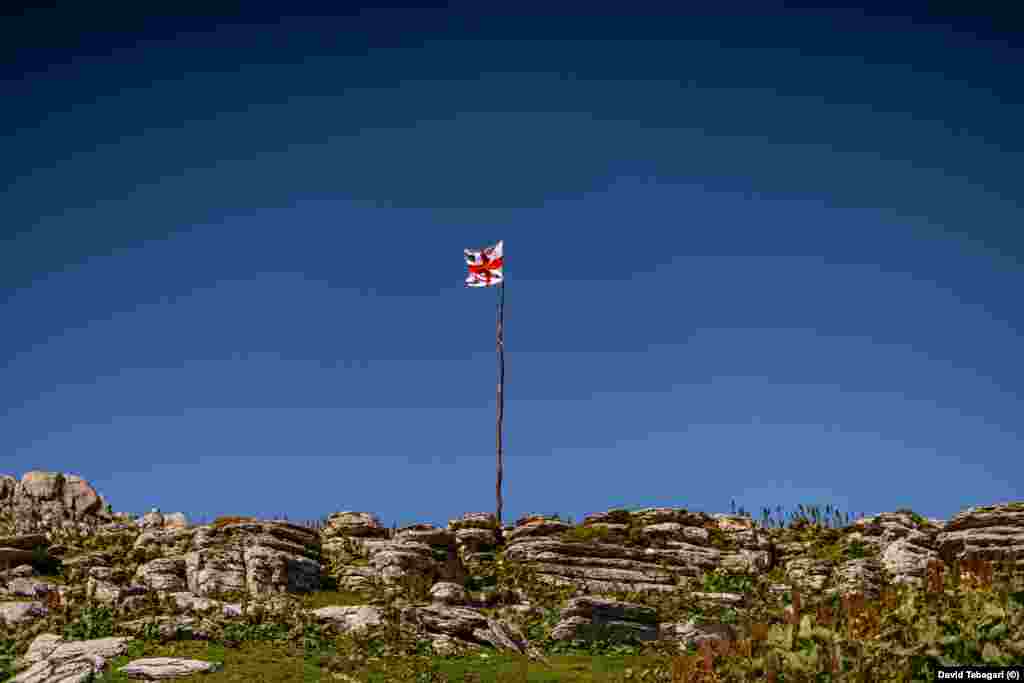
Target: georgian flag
485 266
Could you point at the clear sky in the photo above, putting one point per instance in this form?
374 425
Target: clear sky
772 258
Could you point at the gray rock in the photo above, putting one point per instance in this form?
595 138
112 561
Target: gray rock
171 626
15 613
465 625
809 574
447 593
29 588
906 561
694 632
175 521
24 541
57 661
351 618
23 571
263 558
11 557
153 519
163 574
158 668
993 532
591 618
353 525
44 501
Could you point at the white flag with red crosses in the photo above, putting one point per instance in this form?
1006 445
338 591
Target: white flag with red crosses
485 266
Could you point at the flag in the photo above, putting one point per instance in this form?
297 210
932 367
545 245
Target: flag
485 266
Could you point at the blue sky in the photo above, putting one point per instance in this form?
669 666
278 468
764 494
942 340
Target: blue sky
750 258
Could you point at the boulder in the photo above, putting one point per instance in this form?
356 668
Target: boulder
110 593
15 613
351 618
447 593
154 668
20 571
71 662
592 618
466 626
175 521
353 525
27 587
692 633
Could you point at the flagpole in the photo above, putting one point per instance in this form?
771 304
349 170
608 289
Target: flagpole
501 400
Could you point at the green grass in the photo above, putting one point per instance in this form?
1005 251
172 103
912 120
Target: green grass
244 664
276 663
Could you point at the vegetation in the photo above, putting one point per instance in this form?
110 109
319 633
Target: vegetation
971 613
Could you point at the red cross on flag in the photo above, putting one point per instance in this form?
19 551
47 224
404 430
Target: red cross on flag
485 266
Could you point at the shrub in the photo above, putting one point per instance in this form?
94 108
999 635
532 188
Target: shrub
94 621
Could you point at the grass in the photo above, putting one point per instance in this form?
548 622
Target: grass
968 614
275 663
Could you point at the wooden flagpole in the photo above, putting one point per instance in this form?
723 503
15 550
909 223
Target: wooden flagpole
501 400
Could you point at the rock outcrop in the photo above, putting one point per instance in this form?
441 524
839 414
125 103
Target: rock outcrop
261 558
42 501
202 575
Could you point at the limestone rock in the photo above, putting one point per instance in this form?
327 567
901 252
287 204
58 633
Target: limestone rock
885 528
11 557
592 618
422 552
24 541
78 566
863 575
447 593
23 571
353 525
39 649
14 613
70 662
166 542
351 618
535 527
194 603
157 668
994 532
809 574
175 521
163 574
692 633
465 625
152 520
476 536
110 593
907 561
29 588
262 558
171 626
44 501
602 567
474 520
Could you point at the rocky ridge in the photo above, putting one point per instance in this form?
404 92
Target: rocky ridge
200 576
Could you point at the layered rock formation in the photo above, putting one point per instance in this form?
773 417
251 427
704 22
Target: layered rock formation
206 571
